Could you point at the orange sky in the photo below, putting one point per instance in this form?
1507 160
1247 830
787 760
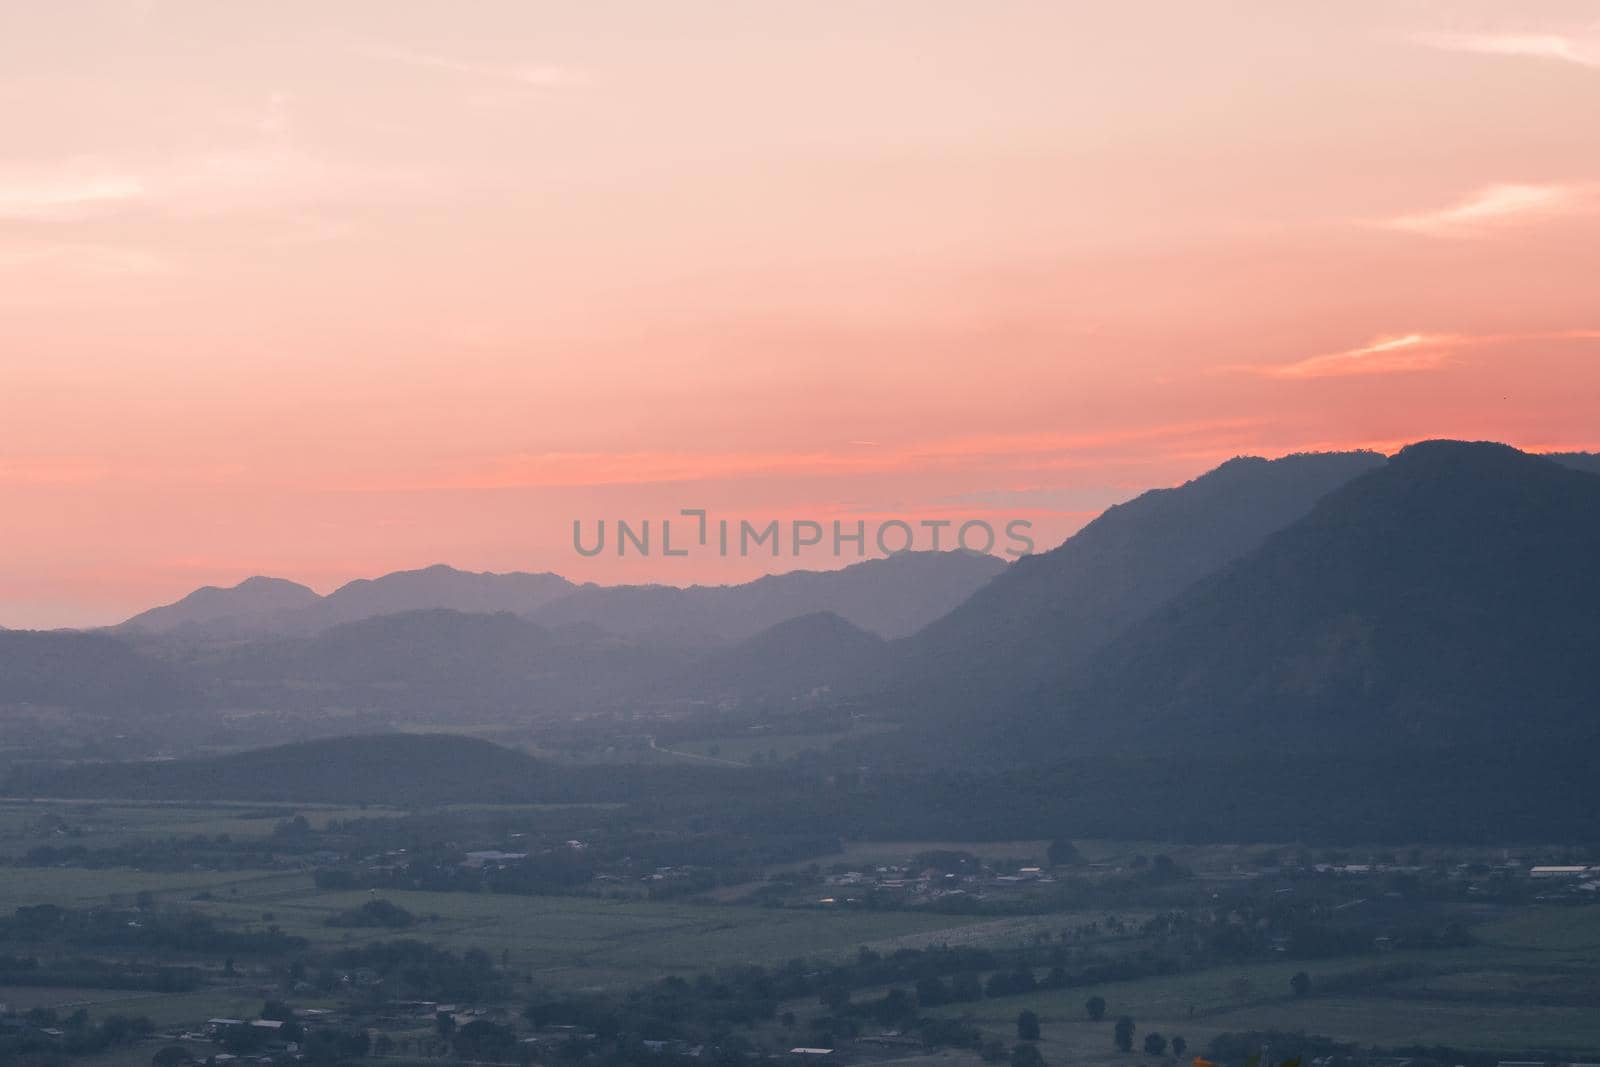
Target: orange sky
325 290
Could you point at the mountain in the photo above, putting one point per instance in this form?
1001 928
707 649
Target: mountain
796 660
1048 614
1448 598
429 662
1578 461
438 586
891 596
87 672
504 666
266 606
210 604
375 768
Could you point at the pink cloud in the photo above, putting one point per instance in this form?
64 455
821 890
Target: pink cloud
1402 354
1495 206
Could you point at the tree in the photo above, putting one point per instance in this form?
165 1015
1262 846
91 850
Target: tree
1096 1007
1028 1026
1124 1034
895 1007
1301 984
1026 1056
481 1039
445 1024
1063 853
277 1009
1179 1045
1154 1044
932 992
171 1056
965 987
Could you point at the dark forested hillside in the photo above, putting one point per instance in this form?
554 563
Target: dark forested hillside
1049 613
1450 597
405 769
378 768
796 660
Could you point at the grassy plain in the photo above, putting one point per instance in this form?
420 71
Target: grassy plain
1530 980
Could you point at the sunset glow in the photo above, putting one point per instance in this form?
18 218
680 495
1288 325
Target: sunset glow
323 291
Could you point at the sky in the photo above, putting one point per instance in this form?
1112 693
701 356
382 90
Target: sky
324 290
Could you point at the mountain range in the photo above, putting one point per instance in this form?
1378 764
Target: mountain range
891 597
262 605
1435 611
440 643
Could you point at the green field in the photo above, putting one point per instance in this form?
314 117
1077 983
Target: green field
1530 980
583 941
26 824
1474 997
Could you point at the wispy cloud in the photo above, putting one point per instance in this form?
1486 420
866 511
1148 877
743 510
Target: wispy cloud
1582 49
264 170
508 82
244 178
1385 355
1495 206
1401 354
65 192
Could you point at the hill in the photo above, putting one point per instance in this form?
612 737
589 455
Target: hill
399 769
504 666
93 673
1047 615
211 605
438 586
268 606
435 661
1449 597
892 596
1578 461
796 661
374 768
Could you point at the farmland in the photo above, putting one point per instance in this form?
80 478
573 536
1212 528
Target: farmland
288 884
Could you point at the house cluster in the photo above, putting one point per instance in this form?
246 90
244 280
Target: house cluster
1567 880
927 883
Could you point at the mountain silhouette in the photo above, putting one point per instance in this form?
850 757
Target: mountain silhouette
1048 614
1449 597
891 596
210 605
